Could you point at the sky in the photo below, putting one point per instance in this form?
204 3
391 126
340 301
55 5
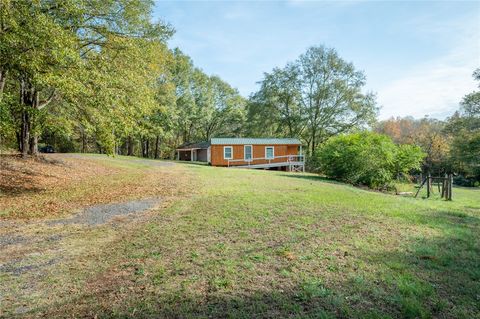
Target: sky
418 56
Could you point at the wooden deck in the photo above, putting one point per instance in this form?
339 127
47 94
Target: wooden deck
295 163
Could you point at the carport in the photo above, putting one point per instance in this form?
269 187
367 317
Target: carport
193 152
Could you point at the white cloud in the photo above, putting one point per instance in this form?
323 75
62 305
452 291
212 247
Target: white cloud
436 87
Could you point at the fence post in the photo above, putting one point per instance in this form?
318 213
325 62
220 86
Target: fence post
450 182
429 181
444 184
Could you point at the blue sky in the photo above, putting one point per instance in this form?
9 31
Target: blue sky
418 56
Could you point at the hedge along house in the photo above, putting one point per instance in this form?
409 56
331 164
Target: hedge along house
277 153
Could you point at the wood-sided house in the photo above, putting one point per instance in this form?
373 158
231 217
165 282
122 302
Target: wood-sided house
279 153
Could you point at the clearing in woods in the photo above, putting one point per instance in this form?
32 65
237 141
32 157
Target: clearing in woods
122 237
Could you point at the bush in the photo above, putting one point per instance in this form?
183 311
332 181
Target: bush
407 158
366 158
465 181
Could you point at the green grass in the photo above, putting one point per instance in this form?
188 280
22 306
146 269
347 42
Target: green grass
252 243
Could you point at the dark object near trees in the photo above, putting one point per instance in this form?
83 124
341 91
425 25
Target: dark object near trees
47 149
466 181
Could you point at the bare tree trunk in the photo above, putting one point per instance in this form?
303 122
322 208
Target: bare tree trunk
3 78
84 140
157 140
25 123
33 145
129 146
142 143
25 134
34 135
314 133
18 135
29 101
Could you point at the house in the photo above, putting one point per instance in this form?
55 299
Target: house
278 153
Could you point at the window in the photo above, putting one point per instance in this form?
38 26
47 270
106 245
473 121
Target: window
269 153
227 152
247 152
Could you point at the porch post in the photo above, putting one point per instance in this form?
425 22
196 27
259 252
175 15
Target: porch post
191 155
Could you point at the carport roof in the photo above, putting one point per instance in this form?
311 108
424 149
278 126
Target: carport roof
193 146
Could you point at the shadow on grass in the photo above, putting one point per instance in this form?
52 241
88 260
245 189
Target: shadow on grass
308 300
191 163
16 177
438 276
317 178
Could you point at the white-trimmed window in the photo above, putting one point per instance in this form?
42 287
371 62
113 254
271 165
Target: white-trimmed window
227 152
247 152
269 152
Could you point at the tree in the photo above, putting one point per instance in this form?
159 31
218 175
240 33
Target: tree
407 158
426 133
316 97
206 106
279 101
464 128
222 113
48 45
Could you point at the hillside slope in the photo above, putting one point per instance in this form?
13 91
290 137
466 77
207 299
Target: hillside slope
245 243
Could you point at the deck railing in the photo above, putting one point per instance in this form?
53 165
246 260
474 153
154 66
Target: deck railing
268 160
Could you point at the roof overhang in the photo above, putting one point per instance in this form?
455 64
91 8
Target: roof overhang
189 149
254 141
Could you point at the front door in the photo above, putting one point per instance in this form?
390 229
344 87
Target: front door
247 151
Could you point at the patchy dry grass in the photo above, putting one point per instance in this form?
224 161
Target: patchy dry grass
57 184
267 244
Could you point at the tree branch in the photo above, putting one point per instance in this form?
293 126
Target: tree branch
44 103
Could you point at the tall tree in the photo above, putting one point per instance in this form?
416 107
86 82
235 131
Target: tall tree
49 43
279 100
330 91
316 97
464 127
223 112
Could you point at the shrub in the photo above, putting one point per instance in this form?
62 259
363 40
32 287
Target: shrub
366 158
407 158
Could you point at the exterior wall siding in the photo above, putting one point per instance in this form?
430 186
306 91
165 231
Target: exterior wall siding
202 155
257 150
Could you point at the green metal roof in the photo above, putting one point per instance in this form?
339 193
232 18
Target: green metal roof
254 141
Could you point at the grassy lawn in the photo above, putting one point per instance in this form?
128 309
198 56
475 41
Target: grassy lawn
250 243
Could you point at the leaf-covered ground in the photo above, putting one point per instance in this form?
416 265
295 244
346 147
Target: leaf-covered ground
244 243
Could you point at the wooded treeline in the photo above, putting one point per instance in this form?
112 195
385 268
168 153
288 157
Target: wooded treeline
98 76
451 146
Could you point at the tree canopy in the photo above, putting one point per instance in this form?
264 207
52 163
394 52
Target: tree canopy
110 82
98 76
317 96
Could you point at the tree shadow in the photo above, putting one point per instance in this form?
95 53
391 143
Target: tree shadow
317 178
438 275
191 163
17 177
308 300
